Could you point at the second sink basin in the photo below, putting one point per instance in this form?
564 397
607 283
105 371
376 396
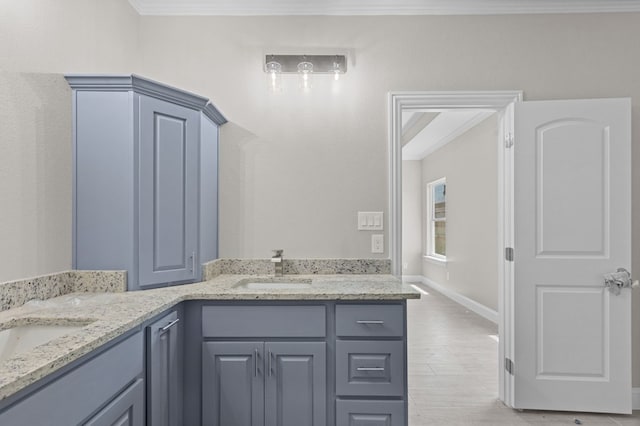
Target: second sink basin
22 338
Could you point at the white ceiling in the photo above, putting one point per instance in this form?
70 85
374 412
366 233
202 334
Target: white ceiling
378 7
445 127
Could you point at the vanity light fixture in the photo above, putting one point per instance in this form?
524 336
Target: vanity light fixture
303 65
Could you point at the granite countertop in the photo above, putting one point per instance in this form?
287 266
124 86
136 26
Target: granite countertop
105 316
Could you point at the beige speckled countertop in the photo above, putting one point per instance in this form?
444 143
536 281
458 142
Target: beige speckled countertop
109 315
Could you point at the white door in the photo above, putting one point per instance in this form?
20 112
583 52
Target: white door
572 336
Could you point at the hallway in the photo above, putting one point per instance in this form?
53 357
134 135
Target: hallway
453 371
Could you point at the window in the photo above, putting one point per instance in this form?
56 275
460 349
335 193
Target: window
437 219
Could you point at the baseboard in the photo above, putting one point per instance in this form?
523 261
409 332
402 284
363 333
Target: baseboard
635 398
472 305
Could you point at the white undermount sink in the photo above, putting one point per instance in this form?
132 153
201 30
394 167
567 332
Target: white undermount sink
273 284
22 338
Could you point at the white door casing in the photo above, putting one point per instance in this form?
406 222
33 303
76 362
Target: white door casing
572 200
502 102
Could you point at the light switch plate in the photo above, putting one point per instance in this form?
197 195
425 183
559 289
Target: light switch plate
377 243
370 221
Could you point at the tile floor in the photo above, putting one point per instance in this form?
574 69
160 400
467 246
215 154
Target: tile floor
453 372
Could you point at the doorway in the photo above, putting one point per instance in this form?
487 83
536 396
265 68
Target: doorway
502 103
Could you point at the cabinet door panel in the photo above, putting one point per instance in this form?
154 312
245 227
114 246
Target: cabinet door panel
232 384
163 379
168 192
295 384
126 410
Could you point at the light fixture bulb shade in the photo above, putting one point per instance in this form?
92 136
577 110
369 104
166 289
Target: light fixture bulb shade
274 70
273 67
305 67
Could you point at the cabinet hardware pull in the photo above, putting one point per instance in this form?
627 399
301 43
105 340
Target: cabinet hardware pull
369 322
270 365
193 262
255 362
168 326
370 368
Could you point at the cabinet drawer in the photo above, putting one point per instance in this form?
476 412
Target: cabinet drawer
370 368
369 320
264 321
370 413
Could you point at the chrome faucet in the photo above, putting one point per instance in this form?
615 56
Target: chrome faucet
277 262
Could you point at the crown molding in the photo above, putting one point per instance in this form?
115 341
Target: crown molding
380 7
146 86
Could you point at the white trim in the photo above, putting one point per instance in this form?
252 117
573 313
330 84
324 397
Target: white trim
388 7
433 146
417 100
502 102
472 305
412 279
635 399
434 260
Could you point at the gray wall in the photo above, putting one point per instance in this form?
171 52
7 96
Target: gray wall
470 164
295 169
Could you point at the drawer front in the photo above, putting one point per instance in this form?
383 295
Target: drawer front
370 320
373 368
264 321
370 413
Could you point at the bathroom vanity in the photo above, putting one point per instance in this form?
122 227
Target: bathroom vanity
332 352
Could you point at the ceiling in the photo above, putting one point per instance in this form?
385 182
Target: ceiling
425 132
378 7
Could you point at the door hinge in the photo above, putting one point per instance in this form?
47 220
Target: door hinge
509 366
508 140
508 254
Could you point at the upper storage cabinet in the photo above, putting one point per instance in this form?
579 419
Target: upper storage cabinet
145 179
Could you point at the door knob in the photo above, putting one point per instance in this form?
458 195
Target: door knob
618 280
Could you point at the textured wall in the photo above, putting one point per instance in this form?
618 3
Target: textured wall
39 40
412 220
68 36
35 174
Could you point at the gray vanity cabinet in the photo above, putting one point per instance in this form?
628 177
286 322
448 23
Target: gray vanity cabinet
264 365
295 384
145 179
371 365
168 192
127 409
164 372
264 383
233 383
106 389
